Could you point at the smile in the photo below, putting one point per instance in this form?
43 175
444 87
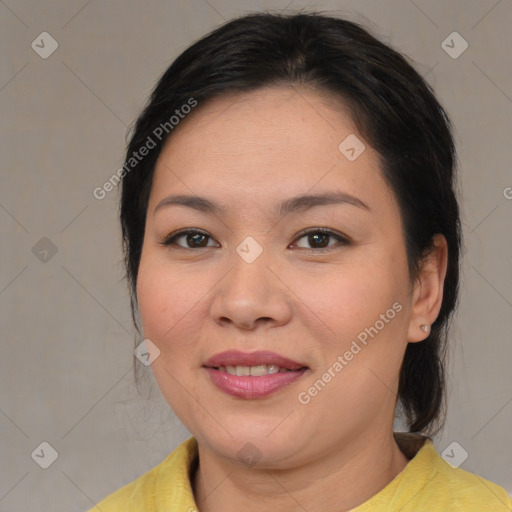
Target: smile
253 371
252 375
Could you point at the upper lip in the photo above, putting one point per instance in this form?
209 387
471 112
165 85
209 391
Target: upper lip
261 357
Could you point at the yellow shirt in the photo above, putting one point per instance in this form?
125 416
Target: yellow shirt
427 484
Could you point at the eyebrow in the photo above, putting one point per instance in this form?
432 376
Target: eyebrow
291 205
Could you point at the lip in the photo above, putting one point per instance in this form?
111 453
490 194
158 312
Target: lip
252 387
237 358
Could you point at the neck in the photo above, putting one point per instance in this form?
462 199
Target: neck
339 481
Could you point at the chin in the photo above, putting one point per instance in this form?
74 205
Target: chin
263 447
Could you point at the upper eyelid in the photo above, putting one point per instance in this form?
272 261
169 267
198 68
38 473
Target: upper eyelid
344 239
328 231
185 231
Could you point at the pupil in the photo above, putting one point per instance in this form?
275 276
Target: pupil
196 238
314 239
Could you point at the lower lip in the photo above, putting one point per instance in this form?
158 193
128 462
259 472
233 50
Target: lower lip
251 388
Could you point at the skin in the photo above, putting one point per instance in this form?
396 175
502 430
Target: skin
248 152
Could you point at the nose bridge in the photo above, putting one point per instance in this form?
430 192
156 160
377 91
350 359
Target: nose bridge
250 290
250 268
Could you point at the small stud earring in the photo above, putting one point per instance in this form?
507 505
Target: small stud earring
424 328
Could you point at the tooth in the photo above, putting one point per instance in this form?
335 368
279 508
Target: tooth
255 371
243 370
258 371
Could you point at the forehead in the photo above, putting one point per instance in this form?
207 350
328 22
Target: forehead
269 119
266 144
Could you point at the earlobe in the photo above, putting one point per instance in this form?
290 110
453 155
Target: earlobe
428 291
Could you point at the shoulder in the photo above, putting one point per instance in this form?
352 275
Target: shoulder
449 488
152 488
467 491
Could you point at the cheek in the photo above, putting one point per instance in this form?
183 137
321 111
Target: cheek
168 305
352 297
362 350
364 306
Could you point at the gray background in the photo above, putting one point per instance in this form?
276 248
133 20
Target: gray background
67 341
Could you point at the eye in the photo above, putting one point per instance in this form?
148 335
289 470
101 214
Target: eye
320 238
317 238
191 238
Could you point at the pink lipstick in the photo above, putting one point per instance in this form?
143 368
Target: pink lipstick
252 375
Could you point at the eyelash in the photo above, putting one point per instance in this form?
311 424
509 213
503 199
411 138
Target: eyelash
343 240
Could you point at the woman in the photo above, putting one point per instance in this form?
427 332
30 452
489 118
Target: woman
292 244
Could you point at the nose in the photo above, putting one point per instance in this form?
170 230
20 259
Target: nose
252 295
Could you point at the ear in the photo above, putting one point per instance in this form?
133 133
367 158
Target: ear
427 295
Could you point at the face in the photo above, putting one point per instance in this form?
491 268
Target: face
321 282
